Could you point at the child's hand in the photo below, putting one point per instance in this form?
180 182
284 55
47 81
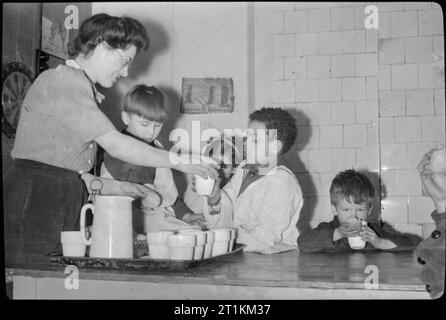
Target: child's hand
370 236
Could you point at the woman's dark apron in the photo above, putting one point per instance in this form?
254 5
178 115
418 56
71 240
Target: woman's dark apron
40 201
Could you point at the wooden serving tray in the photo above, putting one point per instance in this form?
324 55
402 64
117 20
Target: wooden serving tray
139 264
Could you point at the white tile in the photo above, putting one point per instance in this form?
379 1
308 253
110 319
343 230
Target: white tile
409 228
373 134
404 76
342 65
384 25
331 137
391 51
433 129
306 90
342 18
283 6
407 129
407 183
372 88
330 90
319 113
278 69
430 22
302 164
392 103
388 183
295 22
419 50
319 67
299 111
367 159
384 77
415 151
355 136
330 42
342 159
431 75
326 179
371 40
353 88
438 45
322 209
307 137
278 21
420 102
403 24
306 43
439 101
387 130
353 41
343 112
393 156
394 209
284 45
366 64
318 20
416 5
420 209
319 160
295 67
367 111
284 91
390 6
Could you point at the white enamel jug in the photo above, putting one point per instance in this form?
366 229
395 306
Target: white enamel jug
112 232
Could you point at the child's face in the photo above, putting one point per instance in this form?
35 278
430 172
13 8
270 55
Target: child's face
257 146
346 210
142 128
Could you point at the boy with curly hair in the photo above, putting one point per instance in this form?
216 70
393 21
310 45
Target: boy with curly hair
263 199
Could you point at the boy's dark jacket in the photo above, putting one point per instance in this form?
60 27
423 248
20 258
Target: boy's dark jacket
321 239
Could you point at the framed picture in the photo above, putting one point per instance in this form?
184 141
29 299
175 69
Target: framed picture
55 38
207 95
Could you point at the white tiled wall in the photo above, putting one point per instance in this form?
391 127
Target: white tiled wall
373 99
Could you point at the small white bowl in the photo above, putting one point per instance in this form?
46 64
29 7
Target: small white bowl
158 237
222 235
210 236
220 247
208 250
181 253
182 240
199 252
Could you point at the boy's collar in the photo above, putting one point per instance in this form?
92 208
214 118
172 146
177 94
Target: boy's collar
124 131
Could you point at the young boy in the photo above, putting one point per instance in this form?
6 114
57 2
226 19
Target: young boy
144 111
263 199
351 197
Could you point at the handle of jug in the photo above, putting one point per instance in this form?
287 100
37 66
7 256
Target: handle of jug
88 206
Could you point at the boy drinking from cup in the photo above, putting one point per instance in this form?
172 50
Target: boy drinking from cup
144 111
351 197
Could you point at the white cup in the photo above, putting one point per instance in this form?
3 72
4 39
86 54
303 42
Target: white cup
221 244
233 233
201 242
157 243
182 246
210 238
356 242
204 186
72 244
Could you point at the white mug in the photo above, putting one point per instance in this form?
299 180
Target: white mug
72 244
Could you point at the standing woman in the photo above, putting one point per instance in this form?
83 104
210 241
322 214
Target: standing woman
60 124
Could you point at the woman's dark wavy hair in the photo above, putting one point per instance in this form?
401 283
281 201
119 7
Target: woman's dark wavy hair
282 121
118 32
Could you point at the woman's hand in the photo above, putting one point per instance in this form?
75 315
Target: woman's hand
195 218
433 183
205 167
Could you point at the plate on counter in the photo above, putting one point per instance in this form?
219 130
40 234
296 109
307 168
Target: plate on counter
143 263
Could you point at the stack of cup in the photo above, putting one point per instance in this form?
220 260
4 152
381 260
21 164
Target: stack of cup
232 240
221 244
72 244
201 242
210 238
182 246
158 244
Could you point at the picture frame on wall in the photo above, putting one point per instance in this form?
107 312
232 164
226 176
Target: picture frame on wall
207 95
55 37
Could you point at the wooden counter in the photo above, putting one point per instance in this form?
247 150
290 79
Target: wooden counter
289 275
